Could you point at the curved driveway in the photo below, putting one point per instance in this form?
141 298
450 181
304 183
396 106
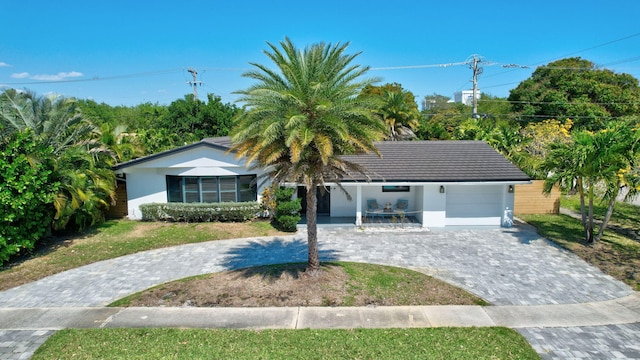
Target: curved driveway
504 266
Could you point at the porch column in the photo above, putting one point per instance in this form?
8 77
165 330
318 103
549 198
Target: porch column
358 205
425 202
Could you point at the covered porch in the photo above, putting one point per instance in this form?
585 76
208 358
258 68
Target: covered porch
425 205
327 221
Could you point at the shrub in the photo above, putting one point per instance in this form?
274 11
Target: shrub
200 212
27 193
287 212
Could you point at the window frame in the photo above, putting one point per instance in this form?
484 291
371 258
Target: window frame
396 188
239 193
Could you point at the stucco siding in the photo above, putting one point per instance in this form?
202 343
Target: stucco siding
146 182
144 186
434 206
340 205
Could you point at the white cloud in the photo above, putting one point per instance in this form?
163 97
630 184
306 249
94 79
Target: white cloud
21 75
57 77
4 64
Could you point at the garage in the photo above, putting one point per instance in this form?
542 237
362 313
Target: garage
474 205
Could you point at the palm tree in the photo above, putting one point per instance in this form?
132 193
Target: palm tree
299 120
621 145
400 114
397 108
592 159
78 153
567 165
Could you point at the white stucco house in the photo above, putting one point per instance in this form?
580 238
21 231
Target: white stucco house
444 183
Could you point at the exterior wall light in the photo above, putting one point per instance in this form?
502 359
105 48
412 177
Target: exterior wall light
510 190
441 189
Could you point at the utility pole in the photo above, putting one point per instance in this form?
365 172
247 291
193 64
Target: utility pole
476 72
194 83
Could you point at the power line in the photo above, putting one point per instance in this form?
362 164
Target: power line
556 102
514 115
591 48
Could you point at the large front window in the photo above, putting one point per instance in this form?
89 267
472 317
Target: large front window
211 189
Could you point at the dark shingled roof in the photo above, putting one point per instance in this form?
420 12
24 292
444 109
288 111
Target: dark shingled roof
223 141
436 161
407 161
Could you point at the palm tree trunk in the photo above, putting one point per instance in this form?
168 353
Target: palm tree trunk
582 208
313 267
590 224
607 215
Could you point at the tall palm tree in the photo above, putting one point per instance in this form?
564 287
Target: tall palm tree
299 119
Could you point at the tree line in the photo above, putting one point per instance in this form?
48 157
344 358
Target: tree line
570 123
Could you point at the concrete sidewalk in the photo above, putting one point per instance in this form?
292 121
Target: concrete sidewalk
613 312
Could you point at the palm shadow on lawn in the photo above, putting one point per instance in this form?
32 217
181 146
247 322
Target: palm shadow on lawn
277 251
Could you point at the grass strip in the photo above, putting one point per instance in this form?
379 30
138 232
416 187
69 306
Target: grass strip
429 343
286 285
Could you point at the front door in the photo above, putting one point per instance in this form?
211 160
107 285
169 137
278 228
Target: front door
324 200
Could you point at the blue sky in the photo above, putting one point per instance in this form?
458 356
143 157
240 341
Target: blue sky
129 52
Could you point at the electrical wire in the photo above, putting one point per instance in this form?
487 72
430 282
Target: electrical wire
555 102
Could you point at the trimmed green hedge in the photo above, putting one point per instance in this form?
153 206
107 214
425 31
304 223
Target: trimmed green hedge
200 212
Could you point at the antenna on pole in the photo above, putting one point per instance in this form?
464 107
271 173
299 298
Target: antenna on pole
194 83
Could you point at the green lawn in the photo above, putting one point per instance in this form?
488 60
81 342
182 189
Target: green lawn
625 215
431 343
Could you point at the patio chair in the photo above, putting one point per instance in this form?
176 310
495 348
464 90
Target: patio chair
401 206
373 208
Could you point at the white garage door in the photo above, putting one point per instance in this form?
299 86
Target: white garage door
474 205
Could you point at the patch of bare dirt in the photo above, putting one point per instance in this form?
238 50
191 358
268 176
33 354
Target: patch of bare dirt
291 286
615 261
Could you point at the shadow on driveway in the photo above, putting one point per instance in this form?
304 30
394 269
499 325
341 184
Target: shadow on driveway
278 251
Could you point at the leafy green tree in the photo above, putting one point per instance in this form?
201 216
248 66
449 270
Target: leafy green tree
154 140
56 122
300 119
141 116
189 116
441 118
535 140
27 190
576 89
